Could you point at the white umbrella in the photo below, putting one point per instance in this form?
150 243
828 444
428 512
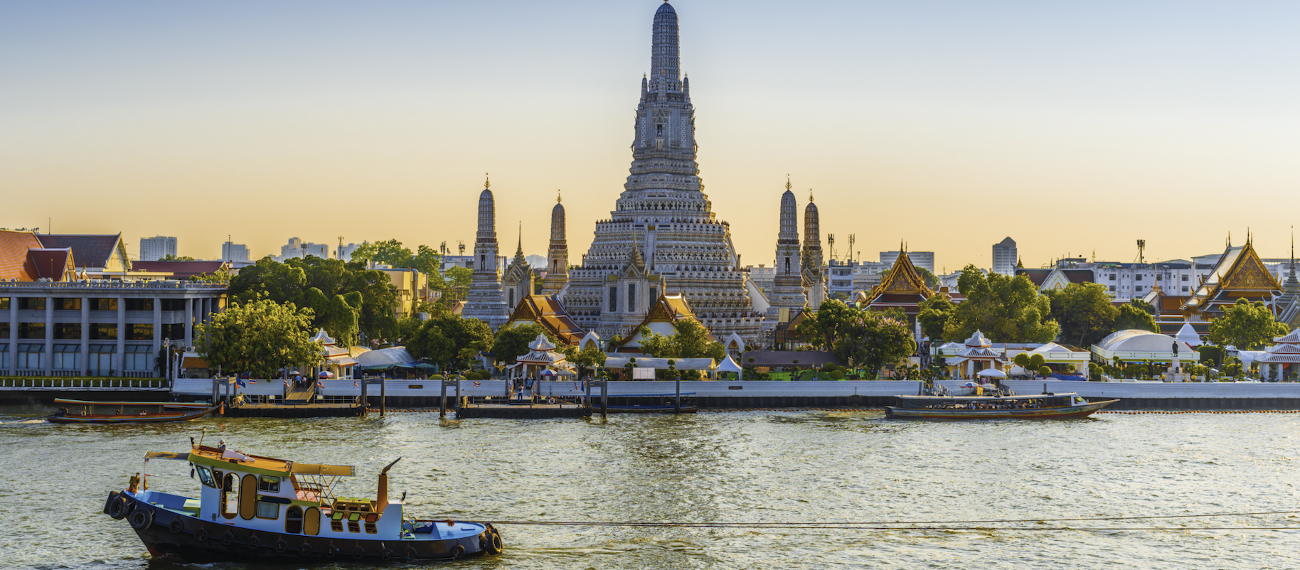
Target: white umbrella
991 373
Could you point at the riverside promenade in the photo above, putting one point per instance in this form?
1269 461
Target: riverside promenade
847 394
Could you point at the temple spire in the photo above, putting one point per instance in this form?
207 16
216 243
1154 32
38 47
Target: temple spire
665 61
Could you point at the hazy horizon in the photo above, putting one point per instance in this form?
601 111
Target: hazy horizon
1073 128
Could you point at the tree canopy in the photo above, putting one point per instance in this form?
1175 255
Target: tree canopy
1084 312
1004 308
1133 316
450 341
347 300
258 337
511 342
935 312
691 341
859 337
1246 324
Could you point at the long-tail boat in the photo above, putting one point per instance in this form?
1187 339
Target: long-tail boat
89 412
256 508
1029 407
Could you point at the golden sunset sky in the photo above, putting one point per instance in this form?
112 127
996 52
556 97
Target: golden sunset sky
1071 126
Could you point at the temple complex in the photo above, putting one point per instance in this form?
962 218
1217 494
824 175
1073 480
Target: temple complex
663 236
557 254
1239 274
812 264
485 300
787 292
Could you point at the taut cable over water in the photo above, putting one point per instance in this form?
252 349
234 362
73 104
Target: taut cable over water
930 525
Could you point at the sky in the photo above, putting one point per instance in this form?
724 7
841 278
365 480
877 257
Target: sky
1074 127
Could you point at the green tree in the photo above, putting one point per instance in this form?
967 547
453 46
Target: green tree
1031 363
1246 324
859 337
259 337
935 312
1133 316
369 293
589 358
510 342
1005 308
1084 312
692 340
451 341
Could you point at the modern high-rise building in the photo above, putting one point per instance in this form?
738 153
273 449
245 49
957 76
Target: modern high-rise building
157 247
922 259
298 248
344 252
662 236
236 252
1005 257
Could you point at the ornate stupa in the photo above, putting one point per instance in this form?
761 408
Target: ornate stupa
787 296
557 255
485 300
663 220
813 266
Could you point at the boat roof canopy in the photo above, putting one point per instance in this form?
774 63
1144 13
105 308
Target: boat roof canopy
1016 397
239 461
181 455
322 469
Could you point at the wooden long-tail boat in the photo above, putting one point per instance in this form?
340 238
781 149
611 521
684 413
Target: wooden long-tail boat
1028 407
91 412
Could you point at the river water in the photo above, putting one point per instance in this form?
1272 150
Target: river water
719 467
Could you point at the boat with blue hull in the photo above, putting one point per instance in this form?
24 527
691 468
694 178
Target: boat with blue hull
256 508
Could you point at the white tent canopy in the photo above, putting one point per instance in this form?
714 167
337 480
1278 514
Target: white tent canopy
728 364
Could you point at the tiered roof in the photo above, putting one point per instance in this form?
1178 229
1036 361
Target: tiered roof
1239 273
903 287
549 313
1285 351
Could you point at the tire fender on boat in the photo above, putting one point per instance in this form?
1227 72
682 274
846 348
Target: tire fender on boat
490 541
140 519
456 552
108 505
411 552
177 526
118 508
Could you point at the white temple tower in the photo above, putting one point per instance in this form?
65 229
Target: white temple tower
814 271
664 214
557 255
485 300
787 295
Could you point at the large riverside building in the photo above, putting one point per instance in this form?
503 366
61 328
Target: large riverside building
98 327
663 236
57 319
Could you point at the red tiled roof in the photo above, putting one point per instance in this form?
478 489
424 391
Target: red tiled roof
49 264
13 254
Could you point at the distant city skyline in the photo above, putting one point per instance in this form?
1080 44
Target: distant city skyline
1075 128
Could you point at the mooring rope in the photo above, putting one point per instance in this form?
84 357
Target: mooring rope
934 525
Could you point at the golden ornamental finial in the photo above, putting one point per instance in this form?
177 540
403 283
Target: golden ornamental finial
810 195
487 181
787 181
557 195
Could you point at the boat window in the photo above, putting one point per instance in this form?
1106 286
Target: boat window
229 496
248 497
354 526
205 476
267 510
269 484
293 520
371 528
218 477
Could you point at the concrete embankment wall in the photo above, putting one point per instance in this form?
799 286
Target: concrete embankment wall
761 394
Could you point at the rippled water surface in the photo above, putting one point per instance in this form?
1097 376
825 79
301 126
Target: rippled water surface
719 467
